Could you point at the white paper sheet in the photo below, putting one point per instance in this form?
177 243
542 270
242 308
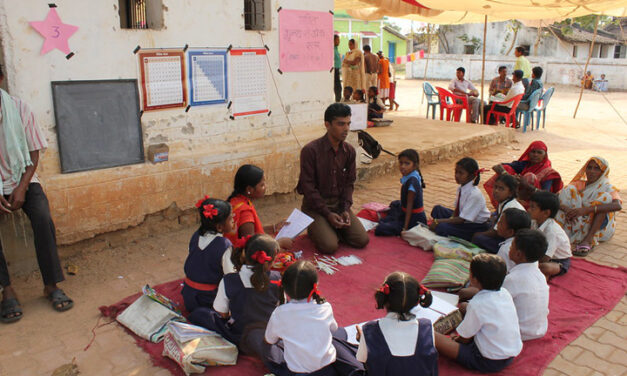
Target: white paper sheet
438 308
368 224
351 333
297 223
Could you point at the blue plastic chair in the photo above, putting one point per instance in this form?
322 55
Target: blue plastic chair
430 93
545 98
527 115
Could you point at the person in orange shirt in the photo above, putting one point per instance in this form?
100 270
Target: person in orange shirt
384 77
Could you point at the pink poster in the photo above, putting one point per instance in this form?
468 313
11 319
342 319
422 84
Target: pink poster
305 41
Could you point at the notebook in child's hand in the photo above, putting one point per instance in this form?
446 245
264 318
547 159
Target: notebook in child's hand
297 222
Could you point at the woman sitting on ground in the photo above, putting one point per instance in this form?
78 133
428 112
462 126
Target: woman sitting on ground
250 183
588 206
534 165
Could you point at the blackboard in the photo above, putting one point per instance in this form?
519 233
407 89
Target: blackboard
98 124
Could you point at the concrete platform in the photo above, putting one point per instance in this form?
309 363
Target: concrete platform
434 140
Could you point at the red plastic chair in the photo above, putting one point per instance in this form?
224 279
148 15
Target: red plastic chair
448 101
510 117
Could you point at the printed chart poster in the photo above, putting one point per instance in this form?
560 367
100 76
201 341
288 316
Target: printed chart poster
207 76
162 79
305 41
249 81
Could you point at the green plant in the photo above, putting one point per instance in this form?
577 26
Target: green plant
474 41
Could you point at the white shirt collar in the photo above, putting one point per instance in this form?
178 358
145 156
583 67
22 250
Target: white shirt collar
525 265
507 241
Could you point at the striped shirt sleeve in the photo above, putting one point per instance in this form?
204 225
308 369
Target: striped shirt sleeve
34 136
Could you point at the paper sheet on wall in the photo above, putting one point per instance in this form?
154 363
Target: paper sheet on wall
297 223
305 41
359 116
248 79
162 79
207 76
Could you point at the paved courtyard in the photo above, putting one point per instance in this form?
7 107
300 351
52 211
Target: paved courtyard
44 339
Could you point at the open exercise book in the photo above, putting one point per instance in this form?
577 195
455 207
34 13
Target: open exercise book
442 305
297 222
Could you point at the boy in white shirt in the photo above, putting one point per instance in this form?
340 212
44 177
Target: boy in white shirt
527 285
543 207
489 335
511 221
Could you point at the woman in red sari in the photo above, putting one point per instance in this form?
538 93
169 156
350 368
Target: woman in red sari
250 183
534 168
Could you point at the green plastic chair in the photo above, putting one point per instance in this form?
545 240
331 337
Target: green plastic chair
430 93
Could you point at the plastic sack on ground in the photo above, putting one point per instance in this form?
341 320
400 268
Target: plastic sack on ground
420 236
194 355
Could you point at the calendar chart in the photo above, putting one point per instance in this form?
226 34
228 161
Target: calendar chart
249 82
162 79
207 76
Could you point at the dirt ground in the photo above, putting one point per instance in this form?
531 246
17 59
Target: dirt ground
43 340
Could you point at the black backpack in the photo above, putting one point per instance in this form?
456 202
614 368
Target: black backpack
370 145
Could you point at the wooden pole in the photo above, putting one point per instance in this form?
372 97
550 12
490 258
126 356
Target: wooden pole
485 29
424 76
585 69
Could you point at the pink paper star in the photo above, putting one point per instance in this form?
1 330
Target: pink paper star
55 31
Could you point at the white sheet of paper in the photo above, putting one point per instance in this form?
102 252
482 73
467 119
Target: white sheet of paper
438 308
351 333
368 224
297 223
359 116
449 298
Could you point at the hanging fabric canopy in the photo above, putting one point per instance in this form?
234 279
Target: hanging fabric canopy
472 11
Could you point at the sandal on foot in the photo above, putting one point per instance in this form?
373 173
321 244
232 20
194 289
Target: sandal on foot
10 311
60 301
582 250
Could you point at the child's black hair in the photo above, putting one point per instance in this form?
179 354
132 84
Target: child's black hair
374 88
252 253
470 166
360 93
349 89
532 243
413 156
299 280
546 201
489 270
212 213
510 182
400 293
246 176
517 219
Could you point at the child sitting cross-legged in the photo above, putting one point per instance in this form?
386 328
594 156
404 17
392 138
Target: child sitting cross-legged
304 325
246 299
209 256
489 336
527 285
543 207
511 221
471 214
505 191
407 212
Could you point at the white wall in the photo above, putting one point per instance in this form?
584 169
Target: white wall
443 66
206 147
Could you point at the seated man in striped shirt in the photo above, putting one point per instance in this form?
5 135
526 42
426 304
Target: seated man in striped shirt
20 143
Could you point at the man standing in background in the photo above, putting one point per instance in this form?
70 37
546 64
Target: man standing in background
337 68
372 67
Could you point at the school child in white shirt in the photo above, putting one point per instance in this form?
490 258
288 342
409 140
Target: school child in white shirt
489 335
527 285
304 325
471 214
398 344
504 192
511 222
543 207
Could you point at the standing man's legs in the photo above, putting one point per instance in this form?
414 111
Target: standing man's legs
337 85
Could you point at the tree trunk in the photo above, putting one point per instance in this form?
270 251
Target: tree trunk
513 42
537 43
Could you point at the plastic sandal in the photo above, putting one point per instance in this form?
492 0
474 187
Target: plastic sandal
58 299
8 307
582 250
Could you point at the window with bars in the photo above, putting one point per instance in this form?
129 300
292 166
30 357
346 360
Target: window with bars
140 14
256 15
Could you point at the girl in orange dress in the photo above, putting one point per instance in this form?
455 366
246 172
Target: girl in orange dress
250 183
